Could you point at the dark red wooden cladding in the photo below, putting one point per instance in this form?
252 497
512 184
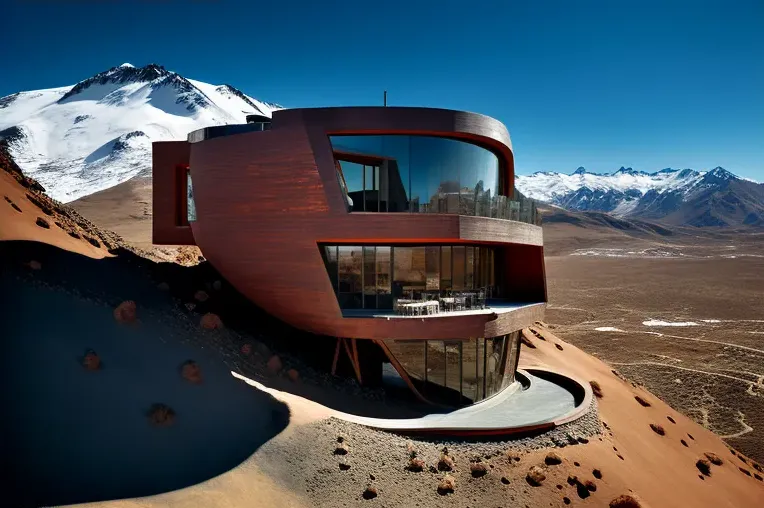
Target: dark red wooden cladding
265 200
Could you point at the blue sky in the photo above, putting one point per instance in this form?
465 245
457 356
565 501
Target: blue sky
600 84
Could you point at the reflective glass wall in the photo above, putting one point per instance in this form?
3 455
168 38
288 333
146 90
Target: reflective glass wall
376 276
190 204
419 174
459 371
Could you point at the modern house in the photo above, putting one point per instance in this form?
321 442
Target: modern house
395 230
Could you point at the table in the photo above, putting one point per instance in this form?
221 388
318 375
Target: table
419 308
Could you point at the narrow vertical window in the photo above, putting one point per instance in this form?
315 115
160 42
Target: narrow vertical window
190 204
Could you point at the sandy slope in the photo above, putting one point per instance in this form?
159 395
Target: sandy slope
660 470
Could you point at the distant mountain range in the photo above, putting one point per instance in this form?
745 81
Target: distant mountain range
79 139
673 196
83 138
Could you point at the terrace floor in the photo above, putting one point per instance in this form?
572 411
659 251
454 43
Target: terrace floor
492 307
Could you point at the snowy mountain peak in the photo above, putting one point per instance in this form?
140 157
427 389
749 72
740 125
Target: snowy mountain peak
77 140
719 173
629 171
580 171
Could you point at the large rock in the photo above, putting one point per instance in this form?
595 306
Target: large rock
161 415
536 476
211 321
274 364
191 372
91 361
125 312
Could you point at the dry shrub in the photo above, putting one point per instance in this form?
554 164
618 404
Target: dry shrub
625 501
161 415
370 492
446 485
658 429
714 458
274 364
704 466
125 312
91 361
642 401
211 321
596 389
191 372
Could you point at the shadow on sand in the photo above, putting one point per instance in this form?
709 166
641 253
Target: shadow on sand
79 436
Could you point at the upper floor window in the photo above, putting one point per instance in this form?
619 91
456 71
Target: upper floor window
190 204
418 174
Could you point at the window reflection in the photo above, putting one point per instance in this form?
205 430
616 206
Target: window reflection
190 203
420 174
459 371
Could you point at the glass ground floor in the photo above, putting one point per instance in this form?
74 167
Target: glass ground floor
458 372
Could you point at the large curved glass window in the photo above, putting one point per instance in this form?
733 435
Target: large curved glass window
418 174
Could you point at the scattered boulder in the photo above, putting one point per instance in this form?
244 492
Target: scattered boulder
415 465
342 449
91 360
211 321
625 501
690 436
505 480
246 349
370 492
558 346
535 476
344 466
566 500
446 462
92 241
125 312
758 477
478 469
552 459
35 265
191 372
446 485
293 375
744 471
704 466
201 296
42 223
714 458
642 401
684 443
16 207
658 429
597 474
161 415
670 419
590 486
274 364
596 389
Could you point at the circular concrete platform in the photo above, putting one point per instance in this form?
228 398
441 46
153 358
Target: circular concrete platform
541 399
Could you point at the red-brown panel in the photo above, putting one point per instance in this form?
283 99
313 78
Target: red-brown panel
169 160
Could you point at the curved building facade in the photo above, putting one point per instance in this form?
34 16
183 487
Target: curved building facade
395 230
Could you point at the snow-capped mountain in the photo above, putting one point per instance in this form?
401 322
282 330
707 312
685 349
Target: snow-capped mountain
682 196
79 139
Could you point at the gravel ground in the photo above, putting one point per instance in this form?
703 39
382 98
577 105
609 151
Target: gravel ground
307 463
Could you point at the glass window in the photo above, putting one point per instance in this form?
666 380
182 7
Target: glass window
369 279
330 260
411 355
469 369
410 274
423 174
436 362
454 369
190 203
494 371
445 268
384 296
458 267
350 285
469 270
480 368
432 267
